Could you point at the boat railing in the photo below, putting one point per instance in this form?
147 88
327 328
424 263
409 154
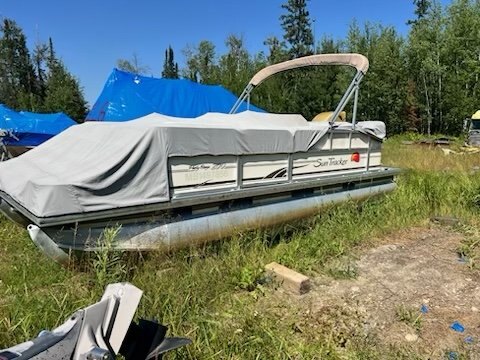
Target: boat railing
357 61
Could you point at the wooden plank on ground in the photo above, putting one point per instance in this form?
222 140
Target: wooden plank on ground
289 279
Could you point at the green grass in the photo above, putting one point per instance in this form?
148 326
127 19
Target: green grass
217 295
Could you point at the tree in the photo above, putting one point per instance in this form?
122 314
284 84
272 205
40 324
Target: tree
411 108
425 51
40 63
63 92
297 29
17 74
170 67
201 63
235 67
382 95
461 54
132 65
421 10
38 83
276 50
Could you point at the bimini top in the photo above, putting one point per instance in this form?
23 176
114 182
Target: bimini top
101 165
357 61
128 96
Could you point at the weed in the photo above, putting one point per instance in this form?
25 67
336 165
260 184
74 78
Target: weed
409 316
249 278
469 248
107 262
343 268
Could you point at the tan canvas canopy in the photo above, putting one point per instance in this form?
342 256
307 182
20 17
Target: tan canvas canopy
357 61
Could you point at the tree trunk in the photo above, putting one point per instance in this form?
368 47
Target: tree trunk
429 114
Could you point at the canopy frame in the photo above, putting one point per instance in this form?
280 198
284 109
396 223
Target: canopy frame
358 61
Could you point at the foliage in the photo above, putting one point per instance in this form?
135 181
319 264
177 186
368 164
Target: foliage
106 263
17 75
469 249
421 9
170 67
63 93
461 55
201 63
382 96
296 25
133 65
40 82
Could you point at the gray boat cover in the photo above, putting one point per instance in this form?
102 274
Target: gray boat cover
102 165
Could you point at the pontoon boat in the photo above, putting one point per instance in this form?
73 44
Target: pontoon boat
165 181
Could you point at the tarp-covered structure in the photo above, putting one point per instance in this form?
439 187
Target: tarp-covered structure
30 129
128 96
103 165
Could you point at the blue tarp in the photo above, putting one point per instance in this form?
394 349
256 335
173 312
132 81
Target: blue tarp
31 129
127 96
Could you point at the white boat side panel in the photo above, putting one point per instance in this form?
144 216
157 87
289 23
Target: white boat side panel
338 172
265 167
202 170
201 188
323 143
360 141
338 141
341 140
375 159
305 164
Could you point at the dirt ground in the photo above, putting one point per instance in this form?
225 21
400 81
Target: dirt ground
409 271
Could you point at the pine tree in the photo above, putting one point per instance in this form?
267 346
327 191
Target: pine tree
51 57
384 89
276 50
170 67
422 8
39 62
63 92
297 29
17 74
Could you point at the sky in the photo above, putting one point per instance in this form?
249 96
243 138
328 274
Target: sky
90 36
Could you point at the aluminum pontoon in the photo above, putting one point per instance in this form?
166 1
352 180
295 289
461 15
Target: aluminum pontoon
171 182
